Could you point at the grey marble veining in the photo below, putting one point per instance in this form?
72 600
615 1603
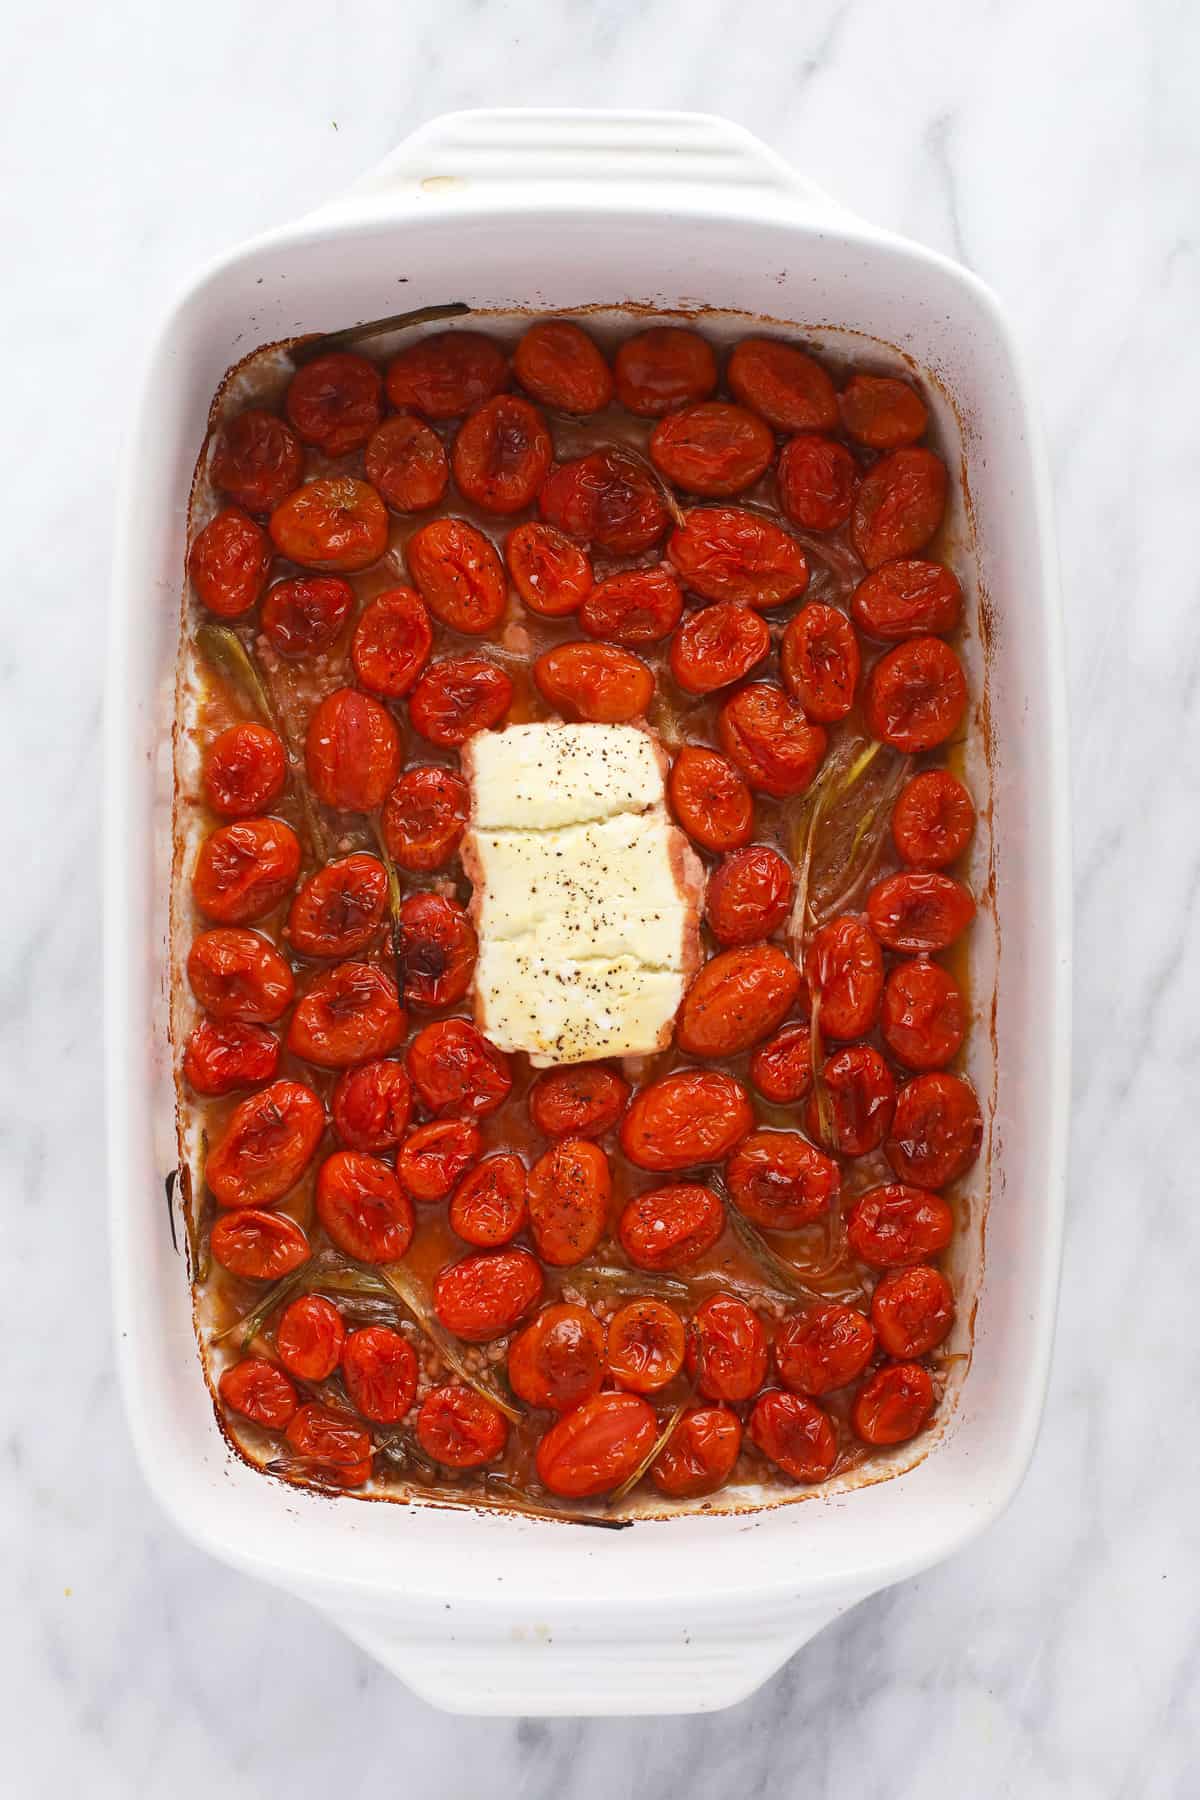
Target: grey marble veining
1053 147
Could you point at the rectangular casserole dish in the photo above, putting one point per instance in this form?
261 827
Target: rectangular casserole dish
510 211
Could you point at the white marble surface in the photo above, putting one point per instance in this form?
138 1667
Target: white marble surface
1052 145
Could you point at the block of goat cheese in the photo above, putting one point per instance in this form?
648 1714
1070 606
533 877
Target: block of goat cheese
587 895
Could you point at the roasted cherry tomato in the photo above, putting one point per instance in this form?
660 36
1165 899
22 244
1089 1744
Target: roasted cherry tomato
455 1070
727 1349
259 1391
890 1226
352 751
310 1337
244 770
670 1227
893 1405
717 645
561 367
229 563
579 1100
916 695
363 1207
919 911
256 460
371 1106
348 1015
434 1157
794 1434
391 642
339 909
568 1194
335 402
711 801
780 1181
443 376
303 615
860 1097
501 454
336 523
912 1310
823 1348
749 895
767 735
598 682
488 1208
899 505
558 1360
457 697
407 464
257 1245
639 606
459 1428
239 975
781 1069
844 966
689 1117
937 1130
788 387
881 412
244 870
817 480
424 817
933 820
379 1368
820 662
607 498
460 576
737 999
335 1441
435 950
724 553
645 1345
267 1144
664 368
224 1055
552 575
923 1019
483 1296
907 598
700 1455
596 1446
712 449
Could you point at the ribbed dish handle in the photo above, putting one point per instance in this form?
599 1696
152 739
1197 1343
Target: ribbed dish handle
580 157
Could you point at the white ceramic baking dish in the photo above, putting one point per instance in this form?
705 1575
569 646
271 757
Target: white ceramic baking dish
560 210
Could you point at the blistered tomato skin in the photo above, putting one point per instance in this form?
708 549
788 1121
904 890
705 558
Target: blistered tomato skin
267 1144
710 798
899 505
596 1446
245 869
737 999
907 598
937 1130
406 463
817 482
363 1207
435 950
822 1349
766 734
662 369
600 683
794 1434
893 1405
552 575
820 662
727 1349
786 386
501 455
916 695
459 574
671 1227
310 1337
256 460
726 553
460 1429
239 975
483 1296
244 771
718 645
569 1192
896 1224
257 1245
335 402
713 449
443 376
749 896
352 751
912 1311
337 523
637 607
781 1069
933 820
780 1181
919 913
456 1071
458 696
844 965
559 365
229 563
379 1368
582 1100
223 1056
882 412
606 498
434 1157
334 1441
371 1106
488 1208
424 817
700 1454
348 1014
645 1346
558 1360
391 642
339 909
259 1391
305 614
689 1117
923 1019
860 1097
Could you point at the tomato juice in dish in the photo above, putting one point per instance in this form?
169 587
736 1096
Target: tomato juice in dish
572 917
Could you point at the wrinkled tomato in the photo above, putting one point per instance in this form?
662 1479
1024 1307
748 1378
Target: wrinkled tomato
339 909
460 1429
780 1181
717 645
645 1345
923 1019
907 598
794 1434
434 1157
710 798
424 817
597 682
578 1100
379 1368
407 464
352 751
766 734
892 1225
259 1391
391 642
244 770
781 1069
662 369
229 563
817 480
338 1443
256 460
568 1195
860 1097
310 1337
893 1405
639 606
820 662
882 412
919 912
912 1310
749 895
737 999
488 1208
267 1144
257 1245
689 1117
239 975
899 505
501 454
460 575
844 966
552 575
916 695
348 1015
596 1446
558 1359
700 1455
455 1070
824 1348
561 367
607 498
335 402
937 1130
435 950
727 1349
336 523
303 615
457 697
724 553
713 449
670 1227
483 1296
363 1207
785 385
224 1055
933 820
244 870
371 1106
444 375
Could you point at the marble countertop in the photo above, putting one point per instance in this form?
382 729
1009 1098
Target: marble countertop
1053 147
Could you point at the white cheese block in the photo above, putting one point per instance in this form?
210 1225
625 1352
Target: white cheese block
587 896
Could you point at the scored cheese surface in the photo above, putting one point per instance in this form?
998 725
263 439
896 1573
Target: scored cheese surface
586 896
